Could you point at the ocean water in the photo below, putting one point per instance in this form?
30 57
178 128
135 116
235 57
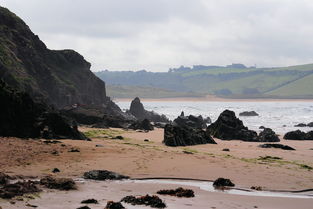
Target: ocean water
280 116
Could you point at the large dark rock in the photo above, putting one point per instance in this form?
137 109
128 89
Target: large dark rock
190 121
300 125
137 110
229 127
142 125
267 135
278 146
58 183
222 182
58 77
22 117
103 175
179 192
295 135
152 201
184 136
114 205
248 113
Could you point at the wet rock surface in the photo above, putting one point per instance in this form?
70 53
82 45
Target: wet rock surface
152 201
137 109
179 192
248 113
185 136
222 182
103 175
229 127
278 146
114 205
58 183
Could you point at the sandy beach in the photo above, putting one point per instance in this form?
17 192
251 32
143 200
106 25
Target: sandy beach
244 164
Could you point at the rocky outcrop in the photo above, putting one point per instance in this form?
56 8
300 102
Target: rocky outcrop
248 113
191 121
58 183
147 200
103 175
179 192
8 191
299 135
175 135
229 127
58 77
137 110
141 125
22 117
277 146
267 135
304 125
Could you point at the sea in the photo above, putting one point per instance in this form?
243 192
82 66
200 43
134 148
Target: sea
281 116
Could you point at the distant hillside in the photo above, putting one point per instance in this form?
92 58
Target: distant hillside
236 81
58 77
118 91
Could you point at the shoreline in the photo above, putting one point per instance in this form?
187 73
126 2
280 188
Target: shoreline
209 99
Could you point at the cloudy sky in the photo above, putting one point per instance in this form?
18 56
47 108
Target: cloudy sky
159 34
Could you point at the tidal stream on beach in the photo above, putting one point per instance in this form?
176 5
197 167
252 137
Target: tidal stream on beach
281 116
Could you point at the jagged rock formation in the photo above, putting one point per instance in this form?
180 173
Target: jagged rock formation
248 113
58 77
299 135
142 125
229 127
137 110
175 135
22 117
191 121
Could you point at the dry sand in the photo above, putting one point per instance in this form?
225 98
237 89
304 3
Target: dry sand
139 159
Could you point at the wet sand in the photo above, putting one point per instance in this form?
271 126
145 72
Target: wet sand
139 159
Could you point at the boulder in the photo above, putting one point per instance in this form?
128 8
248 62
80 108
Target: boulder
185 136
58 183
137 110
267 135
248 113
295 135
90 201
278 146
190 121
141 125
114 205
103 175
229 127
310 124
222 182
152 201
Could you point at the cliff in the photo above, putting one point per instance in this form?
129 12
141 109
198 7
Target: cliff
57 77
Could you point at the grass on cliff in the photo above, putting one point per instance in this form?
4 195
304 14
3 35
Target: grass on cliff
103 133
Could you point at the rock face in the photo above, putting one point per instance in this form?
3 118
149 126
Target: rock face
299 135
103 175
137 110
248 113
267 135
175 135
58 77
22 117
229 127
191 121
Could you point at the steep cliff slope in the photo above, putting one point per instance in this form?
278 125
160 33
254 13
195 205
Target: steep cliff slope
60 77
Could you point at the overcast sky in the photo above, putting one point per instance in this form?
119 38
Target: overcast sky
159 34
